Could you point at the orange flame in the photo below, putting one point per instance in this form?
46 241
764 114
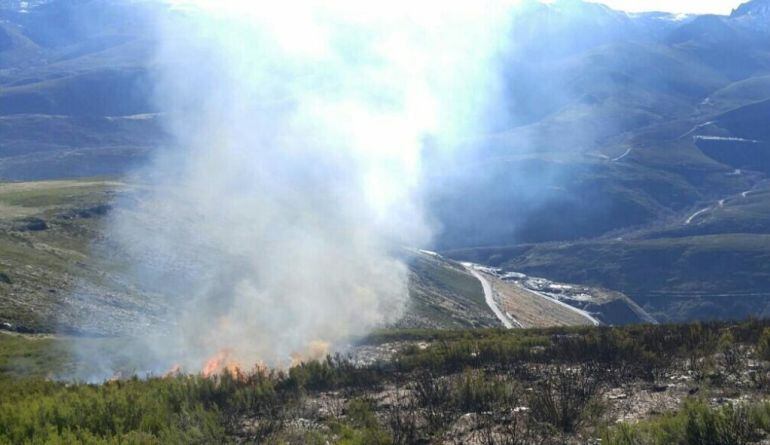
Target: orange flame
316 350
222 362
173 371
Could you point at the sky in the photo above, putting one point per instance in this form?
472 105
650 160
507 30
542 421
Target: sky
675 6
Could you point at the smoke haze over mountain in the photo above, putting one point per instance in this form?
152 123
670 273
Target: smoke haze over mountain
273 222
687 7
287 154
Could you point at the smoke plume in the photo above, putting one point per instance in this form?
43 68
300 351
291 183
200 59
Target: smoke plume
275 221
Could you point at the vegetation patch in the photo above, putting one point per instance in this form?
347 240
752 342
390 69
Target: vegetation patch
703 383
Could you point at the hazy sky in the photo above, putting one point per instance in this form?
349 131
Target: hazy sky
675 6
684 6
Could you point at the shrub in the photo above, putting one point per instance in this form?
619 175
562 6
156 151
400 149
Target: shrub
566 397
155 411
475 392
433 395
763 345
402 418
361 427
695 424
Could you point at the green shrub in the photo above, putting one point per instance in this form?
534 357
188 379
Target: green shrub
152 411
696 424
476 392
763 345
361 426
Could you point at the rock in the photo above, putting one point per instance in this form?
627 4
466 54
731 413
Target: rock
465 424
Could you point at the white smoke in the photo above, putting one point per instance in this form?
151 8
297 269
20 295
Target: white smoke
275 218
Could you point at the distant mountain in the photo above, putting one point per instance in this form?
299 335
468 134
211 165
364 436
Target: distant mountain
70 71
626 126
756 9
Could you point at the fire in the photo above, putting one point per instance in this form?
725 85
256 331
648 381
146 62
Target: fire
316 350
174 371
222 362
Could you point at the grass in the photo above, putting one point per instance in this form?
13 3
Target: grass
30 356
38 266
46 194
173 410
53 357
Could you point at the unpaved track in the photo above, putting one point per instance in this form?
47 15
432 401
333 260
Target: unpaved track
489 295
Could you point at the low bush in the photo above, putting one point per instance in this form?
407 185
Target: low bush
566 397
519 386
696 424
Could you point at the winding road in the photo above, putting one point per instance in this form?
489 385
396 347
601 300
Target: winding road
627 152
720 204
489 295
696 214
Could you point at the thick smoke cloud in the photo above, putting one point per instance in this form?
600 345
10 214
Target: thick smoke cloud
275 222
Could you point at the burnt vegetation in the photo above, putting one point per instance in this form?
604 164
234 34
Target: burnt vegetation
703 383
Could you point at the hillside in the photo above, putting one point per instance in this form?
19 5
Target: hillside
646 181
52 272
